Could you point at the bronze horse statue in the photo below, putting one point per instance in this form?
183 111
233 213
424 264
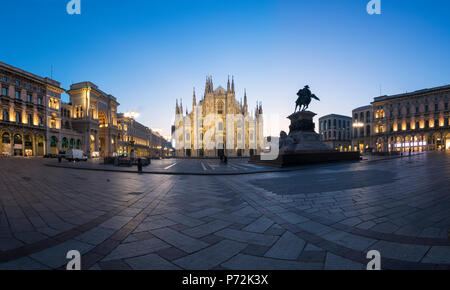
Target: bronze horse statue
304 99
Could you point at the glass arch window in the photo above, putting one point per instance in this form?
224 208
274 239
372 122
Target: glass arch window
64 142
6 138
53 141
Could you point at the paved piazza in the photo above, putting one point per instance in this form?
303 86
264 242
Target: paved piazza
318 217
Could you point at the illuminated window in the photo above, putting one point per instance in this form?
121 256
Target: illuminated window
220 108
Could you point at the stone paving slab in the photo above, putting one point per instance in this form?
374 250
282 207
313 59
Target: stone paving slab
230 221
289 246
247 262
179 240
247 237
212 256
334 262
137 248
25 263
150 262
206 229
405 252
55 256
260 225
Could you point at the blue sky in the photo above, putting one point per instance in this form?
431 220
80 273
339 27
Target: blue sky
149 53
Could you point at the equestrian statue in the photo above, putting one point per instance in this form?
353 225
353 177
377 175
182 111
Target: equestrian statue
304 99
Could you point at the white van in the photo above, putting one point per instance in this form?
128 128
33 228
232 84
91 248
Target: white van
75 155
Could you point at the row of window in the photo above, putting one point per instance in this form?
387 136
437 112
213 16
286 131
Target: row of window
416 125
336 135
18 119
359 132
337 124
66 144
17 96
18 84
362 116
409 110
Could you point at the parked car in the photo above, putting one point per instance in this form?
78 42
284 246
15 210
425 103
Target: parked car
75 155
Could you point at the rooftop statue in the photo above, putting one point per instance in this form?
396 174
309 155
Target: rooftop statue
304 99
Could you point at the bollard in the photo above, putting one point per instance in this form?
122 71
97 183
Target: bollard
59 159
139 165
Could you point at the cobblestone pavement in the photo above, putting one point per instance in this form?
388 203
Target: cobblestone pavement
325 217
213 166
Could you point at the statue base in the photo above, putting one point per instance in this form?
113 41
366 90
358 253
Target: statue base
303 145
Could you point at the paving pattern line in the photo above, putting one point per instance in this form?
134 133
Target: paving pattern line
103 249
347 253
32 248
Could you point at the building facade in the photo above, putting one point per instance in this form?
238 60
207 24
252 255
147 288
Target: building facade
335 131
218 124
29 112
361 129
416 121
34 121
134 137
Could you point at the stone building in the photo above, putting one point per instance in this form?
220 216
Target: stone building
29 112
415 121
34 121
362 124
218 124
95 116
335 131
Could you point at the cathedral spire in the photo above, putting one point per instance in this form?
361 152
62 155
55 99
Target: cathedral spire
232 84
245 109
245 97
177 109
181 106
211 84
194 100
228 85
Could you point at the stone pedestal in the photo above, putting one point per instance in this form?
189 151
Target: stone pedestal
303 146
302 136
